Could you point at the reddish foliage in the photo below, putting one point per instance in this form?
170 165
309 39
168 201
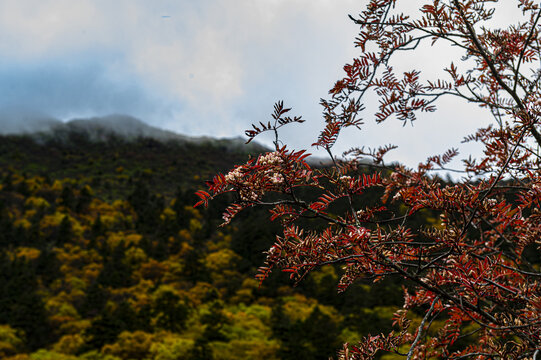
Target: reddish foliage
472 271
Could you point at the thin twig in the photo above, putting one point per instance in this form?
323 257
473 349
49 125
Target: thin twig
420 329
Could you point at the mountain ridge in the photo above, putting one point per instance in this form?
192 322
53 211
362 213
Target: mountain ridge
43 128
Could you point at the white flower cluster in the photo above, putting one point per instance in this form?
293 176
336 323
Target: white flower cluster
277 178
249 184
234 175
272 158
248 195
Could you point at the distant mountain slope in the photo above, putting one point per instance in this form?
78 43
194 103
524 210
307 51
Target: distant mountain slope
44 129
92 149
99 128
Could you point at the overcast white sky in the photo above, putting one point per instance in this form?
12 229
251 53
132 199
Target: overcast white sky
206 67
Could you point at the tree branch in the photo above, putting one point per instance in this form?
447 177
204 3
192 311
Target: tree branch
420 329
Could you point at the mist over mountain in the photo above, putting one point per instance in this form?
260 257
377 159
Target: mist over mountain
21 121
42 128
124 126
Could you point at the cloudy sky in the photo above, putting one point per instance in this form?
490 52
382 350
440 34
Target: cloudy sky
206 67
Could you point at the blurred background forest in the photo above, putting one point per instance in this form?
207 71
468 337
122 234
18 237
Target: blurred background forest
104 257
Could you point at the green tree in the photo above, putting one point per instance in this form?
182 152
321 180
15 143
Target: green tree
21 307
116 273
169 310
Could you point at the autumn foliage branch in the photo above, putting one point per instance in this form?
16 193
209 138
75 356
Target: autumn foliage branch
476 273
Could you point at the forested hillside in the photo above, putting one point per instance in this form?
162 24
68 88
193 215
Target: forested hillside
104 257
